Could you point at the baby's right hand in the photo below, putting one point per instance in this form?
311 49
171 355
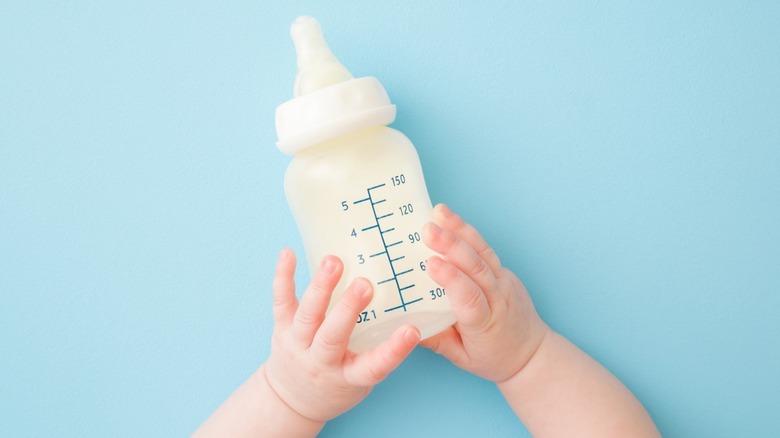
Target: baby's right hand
497 329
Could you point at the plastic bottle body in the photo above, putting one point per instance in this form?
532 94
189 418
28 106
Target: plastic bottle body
363 198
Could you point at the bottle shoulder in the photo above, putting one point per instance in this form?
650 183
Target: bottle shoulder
376 148
364 142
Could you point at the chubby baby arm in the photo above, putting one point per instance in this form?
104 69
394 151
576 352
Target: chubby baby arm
553 386
311 376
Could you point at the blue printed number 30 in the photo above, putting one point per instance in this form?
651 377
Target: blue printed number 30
437 293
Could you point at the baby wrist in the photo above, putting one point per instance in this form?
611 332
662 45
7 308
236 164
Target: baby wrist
544 336
283 405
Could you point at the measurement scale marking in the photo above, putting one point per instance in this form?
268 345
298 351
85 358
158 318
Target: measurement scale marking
379 253
405 272
368 228
361 200
379 202
388 230
386 251
394 244
397 258
403 306
385 281
407 287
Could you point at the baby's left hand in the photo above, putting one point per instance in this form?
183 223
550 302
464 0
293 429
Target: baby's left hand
310 367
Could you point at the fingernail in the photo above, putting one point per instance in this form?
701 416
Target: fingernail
412 336
433 264
328 265
360 287
445 211
434 230
283 255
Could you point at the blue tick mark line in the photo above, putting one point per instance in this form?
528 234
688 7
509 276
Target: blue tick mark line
403 306
387 247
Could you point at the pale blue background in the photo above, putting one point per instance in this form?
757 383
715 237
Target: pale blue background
624 160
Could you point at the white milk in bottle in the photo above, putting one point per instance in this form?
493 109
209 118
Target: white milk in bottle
356 190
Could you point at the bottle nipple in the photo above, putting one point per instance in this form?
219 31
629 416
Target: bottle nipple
317 67
328 102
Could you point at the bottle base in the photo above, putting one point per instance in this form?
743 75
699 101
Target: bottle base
429 324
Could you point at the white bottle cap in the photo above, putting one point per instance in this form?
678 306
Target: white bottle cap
328 103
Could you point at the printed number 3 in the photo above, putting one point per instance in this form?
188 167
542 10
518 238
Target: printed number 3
437 293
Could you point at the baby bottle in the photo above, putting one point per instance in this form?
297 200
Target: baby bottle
356 190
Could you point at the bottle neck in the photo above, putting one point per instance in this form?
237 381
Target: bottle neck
356 137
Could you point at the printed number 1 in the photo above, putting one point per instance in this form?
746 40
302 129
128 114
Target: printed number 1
364 316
